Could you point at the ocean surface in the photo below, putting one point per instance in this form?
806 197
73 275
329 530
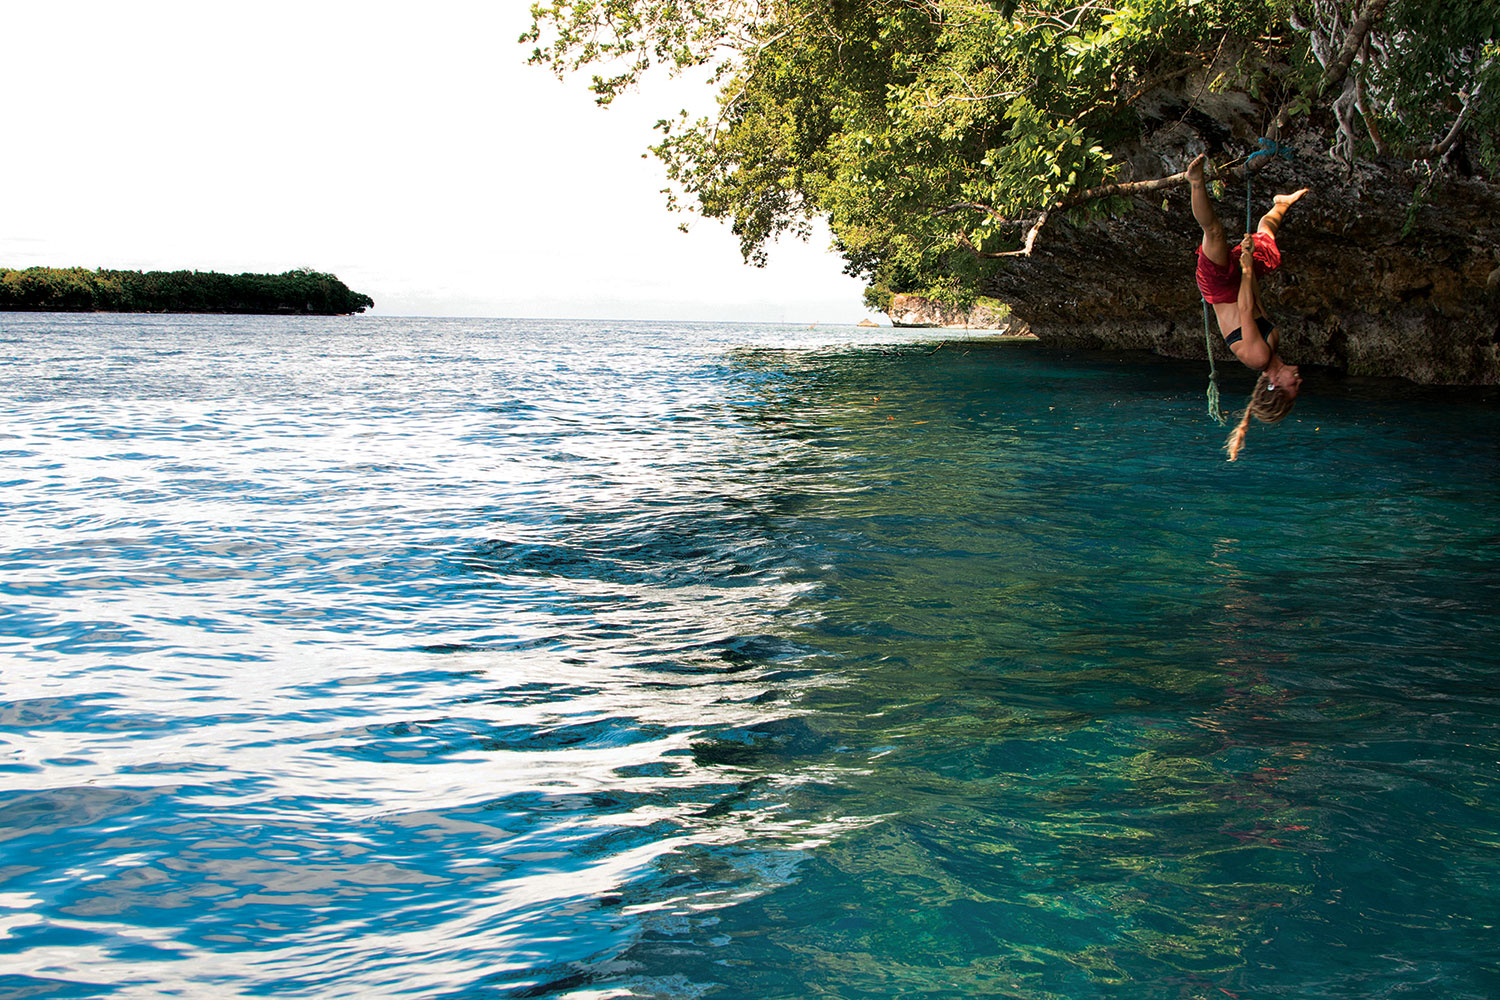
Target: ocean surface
378 657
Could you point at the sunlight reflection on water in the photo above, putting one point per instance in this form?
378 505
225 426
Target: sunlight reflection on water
382 657
334 672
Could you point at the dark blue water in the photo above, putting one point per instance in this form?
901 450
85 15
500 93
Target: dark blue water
448 658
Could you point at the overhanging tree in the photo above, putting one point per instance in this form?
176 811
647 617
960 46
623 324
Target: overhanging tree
937 135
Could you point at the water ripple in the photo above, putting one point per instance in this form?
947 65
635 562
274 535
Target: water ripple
381 657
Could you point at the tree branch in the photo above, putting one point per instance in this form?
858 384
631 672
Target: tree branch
1061 205
1123 187
1433 152
1442 147
1335 71
1027 245
1368 114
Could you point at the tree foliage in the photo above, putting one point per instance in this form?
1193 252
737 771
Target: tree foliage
935 135
76 289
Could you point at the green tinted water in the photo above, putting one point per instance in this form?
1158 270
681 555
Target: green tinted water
470 658
1098 714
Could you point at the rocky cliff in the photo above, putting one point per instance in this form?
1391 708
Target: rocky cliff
1369 283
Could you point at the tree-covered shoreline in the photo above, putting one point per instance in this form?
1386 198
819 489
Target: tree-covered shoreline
938 138
76 289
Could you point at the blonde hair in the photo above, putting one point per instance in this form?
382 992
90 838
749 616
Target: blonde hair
1267 404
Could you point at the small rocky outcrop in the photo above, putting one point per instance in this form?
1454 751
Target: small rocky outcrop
916 311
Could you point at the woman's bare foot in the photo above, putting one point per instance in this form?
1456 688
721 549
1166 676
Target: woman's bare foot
1195 169
1272 219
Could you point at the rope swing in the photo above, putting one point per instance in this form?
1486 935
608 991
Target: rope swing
1268 147
1213 372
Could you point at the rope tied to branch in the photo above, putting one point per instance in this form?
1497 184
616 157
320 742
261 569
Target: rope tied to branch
1268 148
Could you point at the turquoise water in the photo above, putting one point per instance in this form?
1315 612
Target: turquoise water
377 657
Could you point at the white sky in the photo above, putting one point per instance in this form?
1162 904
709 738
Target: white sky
406 148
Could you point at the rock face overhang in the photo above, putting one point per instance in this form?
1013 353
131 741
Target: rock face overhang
1379 276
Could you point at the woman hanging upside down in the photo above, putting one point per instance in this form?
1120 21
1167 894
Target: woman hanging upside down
1234 292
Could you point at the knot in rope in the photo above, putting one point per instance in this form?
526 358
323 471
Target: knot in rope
1268 148
1213 373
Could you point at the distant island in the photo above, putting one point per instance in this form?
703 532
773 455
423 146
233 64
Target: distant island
75 289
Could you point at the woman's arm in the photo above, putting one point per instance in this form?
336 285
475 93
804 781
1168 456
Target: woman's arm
1253 349
1249 289
1247 301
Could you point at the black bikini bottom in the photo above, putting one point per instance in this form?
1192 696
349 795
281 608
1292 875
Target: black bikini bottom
1264 325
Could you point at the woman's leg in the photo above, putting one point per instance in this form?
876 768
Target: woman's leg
1215 245
1272 219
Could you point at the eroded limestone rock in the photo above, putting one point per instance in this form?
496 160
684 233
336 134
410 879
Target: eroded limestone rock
1376 279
